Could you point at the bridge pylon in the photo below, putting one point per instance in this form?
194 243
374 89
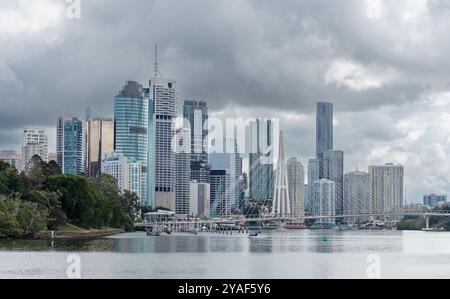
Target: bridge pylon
281 204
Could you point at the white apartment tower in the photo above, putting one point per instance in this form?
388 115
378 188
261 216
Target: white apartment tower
127 173
34 142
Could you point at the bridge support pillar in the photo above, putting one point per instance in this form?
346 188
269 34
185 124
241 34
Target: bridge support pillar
427 221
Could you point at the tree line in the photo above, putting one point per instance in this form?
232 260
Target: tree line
41 198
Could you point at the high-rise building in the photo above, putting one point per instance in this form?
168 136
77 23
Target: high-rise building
296 178
183 172
324 133
325 199
127 172
163 93
261 176
232 164
433 200
12 158
133 135
199 205
196 114
333 168
386 188
34 142
99 143
356 194
313 175
220 202
71 145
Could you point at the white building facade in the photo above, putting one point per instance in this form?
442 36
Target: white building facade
163 94
34 142
386 188
12 158
127 173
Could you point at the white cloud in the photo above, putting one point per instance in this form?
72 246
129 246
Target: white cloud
357 77
29 17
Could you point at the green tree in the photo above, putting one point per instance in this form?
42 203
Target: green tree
9 226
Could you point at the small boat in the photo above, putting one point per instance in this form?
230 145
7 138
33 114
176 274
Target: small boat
255 235
153 233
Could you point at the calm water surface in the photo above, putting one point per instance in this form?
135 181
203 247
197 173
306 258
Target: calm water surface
291 254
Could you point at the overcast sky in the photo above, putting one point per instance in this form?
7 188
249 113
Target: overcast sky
384 64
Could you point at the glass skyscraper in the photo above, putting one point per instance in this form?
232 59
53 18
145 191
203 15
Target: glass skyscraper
71 145
261 176
133 136
324 133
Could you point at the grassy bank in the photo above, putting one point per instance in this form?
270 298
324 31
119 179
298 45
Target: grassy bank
70 231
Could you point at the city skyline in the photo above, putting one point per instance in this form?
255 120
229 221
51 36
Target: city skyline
382 115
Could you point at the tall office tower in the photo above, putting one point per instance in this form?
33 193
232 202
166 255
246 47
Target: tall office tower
261 177
12 158
71 145
127 172
60 142
313 175
239 193
183 171
325 198
34 142
232 164
219 196
99 143
356 194
386 188
333 167
296 177
196 113
133 136
162 92
324 133
199 204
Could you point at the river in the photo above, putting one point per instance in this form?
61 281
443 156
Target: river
288 254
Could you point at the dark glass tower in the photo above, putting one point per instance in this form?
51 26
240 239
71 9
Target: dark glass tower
196 113
324 133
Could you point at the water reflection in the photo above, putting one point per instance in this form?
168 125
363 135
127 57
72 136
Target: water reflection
270 242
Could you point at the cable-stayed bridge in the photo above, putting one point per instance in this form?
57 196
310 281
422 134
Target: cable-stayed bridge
391 215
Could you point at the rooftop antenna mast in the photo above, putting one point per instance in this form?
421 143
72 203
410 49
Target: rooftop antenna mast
156 60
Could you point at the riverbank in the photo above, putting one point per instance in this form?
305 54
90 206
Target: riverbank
69 231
